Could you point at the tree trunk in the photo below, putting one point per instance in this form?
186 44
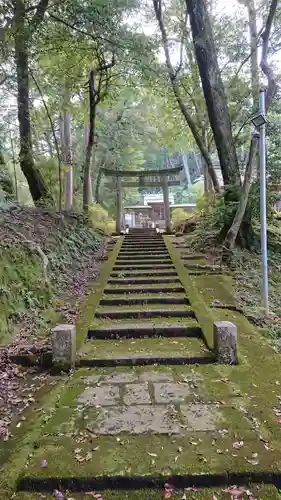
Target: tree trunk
87 183
68 176
87 180
213 88
242 216
254 52
175 86
35 181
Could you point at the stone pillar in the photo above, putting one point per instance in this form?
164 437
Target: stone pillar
225 342
118 204
167 210
64 346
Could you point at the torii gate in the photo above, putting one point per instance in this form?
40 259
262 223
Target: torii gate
160 179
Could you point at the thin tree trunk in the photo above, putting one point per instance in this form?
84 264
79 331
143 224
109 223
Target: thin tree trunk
14 165
87 183
35 181
213 88
175 86
254 52
68 176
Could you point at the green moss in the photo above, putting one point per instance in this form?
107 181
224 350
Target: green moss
130 454
92 301
144 347
22 287
261 492
200 308
215 289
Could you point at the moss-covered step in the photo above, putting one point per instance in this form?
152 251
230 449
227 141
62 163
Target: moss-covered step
154 311
141 295
140 261
142 272
216 289
142 351
153 288
93 457
143 256
143 281
106 330
143 267
143 300
259 492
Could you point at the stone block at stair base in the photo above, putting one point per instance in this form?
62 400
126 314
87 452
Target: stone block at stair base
64 346
225 342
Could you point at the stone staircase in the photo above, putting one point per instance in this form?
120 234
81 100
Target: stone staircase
148 406
144 299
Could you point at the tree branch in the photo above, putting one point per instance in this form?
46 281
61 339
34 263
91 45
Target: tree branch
267 70
175 86
54 135
39 14
83 32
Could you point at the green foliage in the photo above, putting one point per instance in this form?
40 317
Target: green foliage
100 219
179 215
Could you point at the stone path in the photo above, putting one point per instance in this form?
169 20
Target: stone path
124 422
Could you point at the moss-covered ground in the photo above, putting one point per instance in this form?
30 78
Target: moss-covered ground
260 492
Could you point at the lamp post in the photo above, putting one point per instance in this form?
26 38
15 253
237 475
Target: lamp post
259 121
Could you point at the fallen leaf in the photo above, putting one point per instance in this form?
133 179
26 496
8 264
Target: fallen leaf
238 444
88 456
252 462
58 495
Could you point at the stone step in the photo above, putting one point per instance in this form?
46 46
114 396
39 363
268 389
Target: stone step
141 241
142 261
142 281
120 301
128 266
140 249
144 313
143 289
142 244
142 256
145 272
189 328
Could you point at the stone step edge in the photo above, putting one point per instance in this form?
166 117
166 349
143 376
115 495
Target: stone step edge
148 281
148 330
144 300
145 273
119 483
144 313
146 360
118 291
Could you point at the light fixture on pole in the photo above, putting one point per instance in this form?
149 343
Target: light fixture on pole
259 121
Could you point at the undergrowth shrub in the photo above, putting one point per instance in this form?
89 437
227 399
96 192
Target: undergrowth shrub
100 219
179 215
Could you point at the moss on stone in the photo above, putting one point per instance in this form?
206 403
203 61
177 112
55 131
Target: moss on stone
188 347
92 301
